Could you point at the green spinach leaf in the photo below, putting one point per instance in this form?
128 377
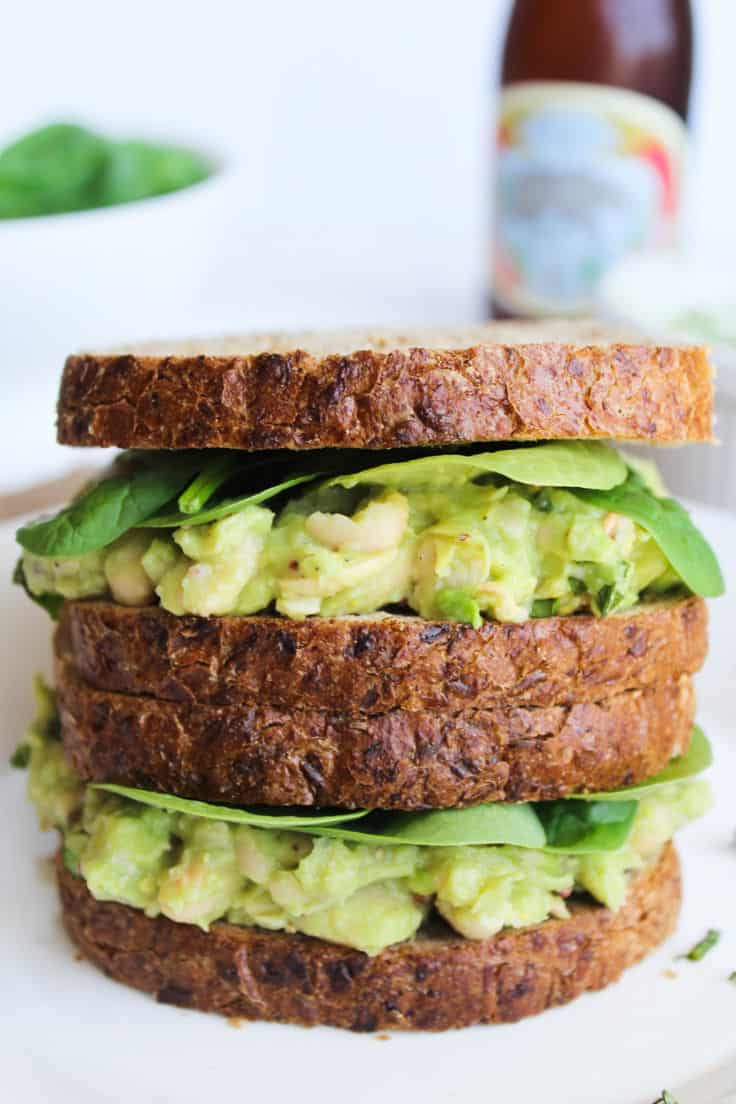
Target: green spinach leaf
554 464
671 527
218 471
583 827
480 824
112 506
258 818
515 825
225 508
565 826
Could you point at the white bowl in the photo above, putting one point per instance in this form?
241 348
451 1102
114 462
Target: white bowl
89 279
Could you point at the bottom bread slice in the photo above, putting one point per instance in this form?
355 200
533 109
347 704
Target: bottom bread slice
435 981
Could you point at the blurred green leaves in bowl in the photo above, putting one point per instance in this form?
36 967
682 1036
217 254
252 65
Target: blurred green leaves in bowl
64 167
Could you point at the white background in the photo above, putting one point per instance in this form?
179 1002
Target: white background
359 135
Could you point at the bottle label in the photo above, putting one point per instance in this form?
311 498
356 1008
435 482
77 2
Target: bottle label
585 175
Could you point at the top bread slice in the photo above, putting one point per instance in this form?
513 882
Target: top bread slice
496 382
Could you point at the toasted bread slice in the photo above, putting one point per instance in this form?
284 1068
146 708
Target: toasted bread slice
397 760
378 664
497 382
433 982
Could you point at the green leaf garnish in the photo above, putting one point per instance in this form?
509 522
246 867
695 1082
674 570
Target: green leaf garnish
555 464
671 527
707 943
697 758
112 506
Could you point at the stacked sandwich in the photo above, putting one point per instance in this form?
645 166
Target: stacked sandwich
374 663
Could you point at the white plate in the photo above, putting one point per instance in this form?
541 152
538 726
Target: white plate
71 1036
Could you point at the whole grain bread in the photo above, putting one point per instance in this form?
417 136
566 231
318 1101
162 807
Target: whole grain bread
497 382
396 760
375 665
433 982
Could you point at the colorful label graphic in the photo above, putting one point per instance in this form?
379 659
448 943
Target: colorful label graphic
585 175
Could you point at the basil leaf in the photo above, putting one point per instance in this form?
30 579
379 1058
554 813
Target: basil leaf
52 603
271 818
671 527
555 464
583 827
112 506
696 759
227 507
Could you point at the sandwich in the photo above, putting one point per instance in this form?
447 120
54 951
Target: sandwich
373 699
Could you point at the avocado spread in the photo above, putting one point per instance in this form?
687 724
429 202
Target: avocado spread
197 870
440 539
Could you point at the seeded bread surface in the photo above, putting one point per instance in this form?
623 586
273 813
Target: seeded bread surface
378 664
396 760
497 382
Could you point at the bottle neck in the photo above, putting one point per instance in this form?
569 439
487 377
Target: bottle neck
641 45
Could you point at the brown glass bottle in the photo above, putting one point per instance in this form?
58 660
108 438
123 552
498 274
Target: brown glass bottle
640 46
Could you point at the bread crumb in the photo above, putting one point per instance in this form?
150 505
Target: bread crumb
670 973
236 1021
383 1038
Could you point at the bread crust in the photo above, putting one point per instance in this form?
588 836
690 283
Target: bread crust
397 760
365 665
389 392
433 982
